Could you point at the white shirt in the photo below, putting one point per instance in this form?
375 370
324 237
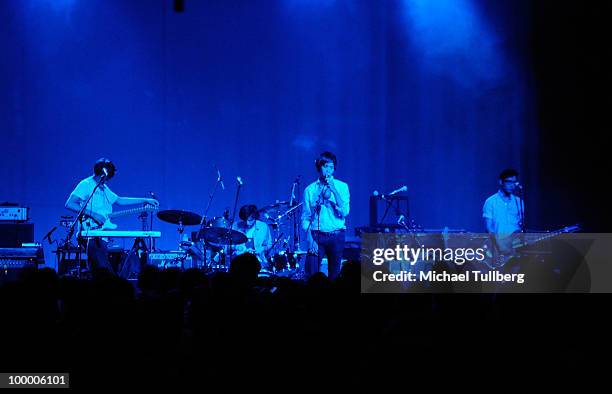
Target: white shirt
102 201
329 218
258 236
505 215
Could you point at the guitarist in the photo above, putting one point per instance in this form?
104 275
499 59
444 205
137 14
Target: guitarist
503 211
99 207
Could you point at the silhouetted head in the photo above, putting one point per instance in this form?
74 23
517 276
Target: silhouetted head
245 267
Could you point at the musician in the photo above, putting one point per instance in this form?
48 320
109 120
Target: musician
259 239
99 207
503 211
326 206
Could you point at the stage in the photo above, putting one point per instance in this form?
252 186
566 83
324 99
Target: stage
148 144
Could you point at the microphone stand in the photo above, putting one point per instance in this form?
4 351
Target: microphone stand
398 212
211 196
235 204
293 204
290 211
79 219
317 212
402 219
412 230
388 204
152 246
231 226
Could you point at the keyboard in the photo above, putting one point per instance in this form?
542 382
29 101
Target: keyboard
120 234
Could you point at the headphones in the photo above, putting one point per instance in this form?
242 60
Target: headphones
104 163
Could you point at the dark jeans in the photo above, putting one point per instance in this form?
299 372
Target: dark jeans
330 244
97 254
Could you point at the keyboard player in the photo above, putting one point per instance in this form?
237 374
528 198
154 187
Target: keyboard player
99 208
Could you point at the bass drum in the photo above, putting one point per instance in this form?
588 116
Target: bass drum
284 260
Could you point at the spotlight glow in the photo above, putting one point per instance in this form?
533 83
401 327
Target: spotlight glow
453 39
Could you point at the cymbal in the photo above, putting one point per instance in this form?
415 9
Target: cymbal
223 236
274 206
177 216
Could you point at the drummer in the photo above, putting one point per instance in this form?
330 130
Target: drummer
259 239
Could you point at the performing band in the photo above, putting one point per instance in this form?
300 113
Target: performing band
264 232
258 231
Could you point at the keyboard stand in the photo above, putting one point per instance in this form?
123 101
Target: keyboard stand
126 268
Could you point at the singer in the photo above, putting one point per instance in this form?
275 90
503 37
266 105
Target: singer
503 211
99 208
326 206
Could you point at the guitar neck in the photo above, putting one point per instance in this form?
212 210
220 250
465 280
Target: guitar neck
129 212
552 234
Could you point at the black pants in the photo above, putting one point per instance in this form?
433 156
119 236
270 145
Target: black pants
97 254
330 244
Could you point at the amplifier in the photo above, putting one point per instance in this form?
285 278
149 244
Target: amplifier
12 235
171 259
15 214
12 258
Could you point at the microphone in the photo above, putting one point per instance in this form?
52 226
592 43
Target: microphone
324 180
220 180
375 193
105 171
48 236
239 180
519 188
399 190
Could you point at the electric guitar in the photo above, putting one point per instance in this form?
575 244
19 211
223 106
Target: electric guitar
496 258
93 224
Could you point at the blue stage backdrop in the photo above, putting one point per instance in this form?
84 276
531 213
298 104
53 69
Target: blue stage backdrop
432 94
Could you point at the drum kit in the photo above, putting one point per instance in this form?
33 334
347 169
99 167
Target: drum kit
215 243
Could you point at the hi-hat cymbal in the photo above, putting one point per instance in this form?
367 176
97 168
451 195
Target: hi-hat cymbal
177 216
